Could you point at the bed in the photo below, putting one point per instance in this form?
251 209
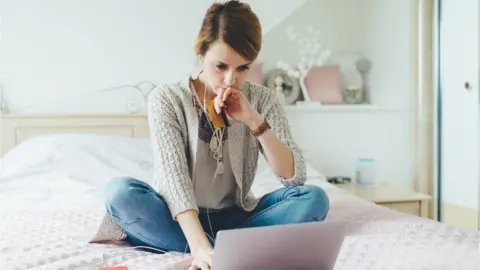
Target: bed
54 168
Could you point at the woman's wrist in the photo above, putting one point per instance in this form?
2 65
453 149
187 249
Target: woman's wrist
193 231
200 243
254 121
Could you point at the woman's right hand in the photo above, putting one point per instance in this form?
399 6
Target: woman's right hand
202 258
200 246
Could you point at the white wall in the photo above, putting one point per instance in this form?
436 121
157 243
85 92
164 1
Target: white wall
383 31
52 49
389 44
334 139
340 22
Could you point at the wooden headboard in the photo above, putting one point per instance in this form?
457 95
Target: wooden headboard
15 129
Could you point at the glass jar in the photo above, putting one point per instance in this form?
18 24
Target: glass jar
366 174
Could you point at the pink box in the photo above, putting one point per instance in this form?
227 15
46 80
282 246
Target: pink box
323 84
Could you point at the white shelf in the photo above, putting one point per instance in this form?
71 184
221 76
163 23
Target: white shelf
317 107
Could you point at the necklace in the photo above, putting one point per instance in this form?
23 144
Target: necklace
216 141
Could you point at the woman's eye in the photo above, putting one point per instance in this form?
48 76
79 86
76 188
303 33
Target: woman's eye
221 66
244 68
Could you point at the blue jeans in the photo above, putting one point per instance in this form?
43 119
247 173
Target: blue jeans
146 219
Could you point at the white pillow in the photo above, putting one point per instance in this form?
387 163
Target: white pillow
90 158
96 159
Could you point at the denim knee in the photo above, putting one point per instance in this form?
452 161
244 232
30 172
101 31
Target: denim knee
118 190
317 201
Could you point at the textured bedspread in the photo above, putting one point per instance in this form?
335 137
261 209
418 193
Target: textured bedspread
380 238
51 203
46 227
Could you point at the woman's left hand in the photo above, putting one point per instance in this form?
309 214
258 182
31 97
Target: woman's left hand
236 105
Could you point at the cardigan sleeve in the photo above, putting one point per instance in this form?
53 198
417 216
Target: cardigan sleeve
274 114
171 174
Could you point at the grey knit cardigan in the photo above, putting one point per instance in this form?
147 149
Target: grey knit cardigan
173 124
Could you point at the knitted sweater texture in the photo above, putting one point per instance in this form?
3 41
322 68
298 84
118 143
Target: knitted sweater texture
173 124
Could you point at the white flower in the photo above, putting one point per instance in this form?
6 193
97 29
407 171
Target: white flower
311 51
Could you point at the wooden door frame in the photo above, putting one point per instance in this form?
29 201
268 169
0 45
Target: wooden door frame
425 39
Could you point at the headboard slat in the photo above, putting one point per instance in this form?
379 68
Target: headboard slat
14 129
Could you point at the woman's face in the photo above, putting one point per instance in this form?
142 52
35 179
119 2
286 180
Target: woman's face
223 67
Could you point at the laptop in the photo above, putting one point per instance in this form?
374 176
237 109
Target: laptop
312 245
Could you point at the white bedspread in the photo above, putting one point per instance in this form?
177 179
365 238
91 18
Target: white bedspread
50 204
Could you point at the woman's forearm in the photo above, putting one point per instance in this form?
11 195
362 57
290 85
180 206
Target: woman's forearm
279 157
193 231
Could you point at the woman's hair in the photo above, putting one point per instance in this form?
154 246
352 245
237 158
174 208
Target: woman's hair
235 24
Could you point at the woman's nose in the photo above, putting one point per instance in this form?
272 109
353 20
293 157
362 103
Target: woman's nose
229 79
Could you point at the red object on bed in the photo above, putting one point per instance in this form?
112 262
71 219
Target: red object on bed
114 268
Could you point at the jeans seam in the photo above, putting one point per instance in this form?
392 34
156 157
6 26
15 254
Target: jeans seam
117 218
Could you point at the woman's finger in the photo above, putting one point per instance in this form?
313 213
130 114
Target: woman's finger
216 105
227 92
220 94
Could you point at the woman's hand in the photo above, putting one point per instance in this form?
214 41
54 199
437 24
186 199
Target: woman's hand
200 247
236 106
202 258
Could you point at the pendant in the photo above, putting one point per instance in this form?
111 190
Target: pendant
219 167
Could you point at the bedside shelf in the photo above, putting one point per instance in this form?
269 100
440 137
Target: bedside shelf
314 107
393 197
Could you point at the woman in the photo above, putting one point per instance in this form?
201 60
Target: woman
204 169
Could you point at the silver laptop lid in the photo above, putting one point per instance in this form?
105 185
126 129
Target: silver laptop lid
313 245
